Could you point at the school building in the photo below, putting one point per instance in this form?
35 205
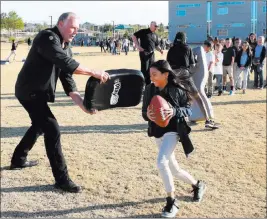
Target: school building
216 18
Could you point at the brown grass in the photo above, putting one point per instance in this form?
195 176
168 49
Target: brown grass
110 155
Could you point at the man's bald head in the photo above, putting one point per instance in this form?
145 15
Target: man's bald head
153 26
68 26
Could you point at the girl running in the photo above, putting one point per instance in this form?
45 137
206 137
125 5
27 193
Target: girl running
166 83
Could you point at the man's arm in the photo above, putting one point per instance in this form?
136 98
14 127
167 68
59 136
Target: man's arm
70 89
137 45
51 49
211 62
102 75
233 61
192 62
233 57
137 35
263 54
157 46
159 49
78 100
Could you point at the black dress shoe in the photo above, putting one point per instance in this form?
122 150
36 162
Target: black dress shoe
26 164
68 186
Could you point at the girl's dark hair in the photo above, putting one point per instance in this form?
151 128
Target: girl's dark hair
177 77
249 41
249 48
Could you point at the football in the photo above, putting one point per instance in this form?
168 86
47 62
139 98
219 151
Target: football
157 105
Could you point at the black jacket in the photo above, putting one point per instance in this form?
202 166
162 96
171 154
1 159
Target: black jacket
263 54
178 99
180 55
46 62
238 58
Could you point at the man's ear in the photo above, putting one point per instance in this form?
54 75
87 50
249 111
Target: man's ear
60 23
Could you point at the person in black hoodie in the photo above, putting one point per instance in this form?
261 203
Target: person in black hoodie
179 56
243 60
166 83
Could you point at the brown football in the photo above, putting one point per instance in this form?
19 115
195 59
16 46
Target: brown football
157 104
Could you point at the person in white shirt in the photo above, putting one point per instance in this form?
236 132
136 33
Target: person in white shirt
218 68
125 45
210 61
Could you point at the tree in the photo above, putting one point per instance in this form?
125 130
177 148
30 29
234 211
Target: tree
39 27
161 30
126 34
13 21
3 21
107 27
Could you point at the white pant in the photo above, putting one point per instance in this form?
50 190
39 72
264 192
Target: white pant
237 79
245 76
168 165
13 52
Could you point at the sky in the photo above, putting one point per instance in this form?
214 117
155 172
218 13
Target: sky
97 12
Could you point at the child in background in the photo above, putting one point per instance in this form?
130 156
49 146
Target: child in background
210 61
243 59
13 50
218 69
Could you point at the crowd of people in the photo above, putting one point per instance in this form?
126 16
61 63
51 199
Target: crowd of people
232 57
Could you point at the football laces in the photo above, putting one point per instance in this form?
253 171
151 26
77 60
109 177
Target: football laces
162 113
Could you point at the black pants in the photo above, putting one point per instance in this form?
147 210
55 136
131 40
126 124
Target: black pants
103 48
146 61
43 122
258 76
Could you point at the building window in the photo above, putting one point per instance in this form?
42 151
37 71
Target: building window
264 31
222 11
188 6
181 13
183 26
230 3
238 25
264 9
222 32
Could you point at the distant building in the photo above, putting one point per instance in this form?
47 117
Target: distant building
216 18
231 19
262 19
189 17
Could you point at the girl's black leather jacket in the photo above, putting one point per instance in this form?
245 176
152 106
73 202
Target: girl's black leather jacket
179 100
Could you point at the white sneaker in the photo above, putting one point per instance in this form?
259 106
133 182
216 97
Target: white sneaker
171 208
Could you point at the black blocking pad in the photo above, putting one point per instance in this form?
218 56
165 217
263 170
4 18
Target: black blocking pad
123 89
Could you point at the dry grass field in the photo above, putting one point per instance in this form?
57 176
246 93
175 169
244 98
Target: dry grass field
111 157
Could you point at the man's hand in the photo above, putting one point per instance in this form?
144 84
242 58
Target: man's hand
77 99
102 76
140 49
161 52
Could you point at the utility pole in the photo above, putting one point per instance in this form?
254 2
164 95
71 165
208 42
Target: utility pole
113 29
51 21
